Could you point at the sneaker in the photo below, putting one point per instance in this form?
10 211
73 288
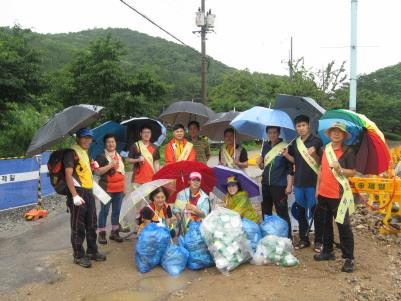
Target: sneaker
97 257
324 256
348 266
102 237
83 262
115 235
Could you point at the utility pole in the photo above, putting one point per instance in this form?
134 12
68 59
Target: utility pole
291 61
353 76
206 23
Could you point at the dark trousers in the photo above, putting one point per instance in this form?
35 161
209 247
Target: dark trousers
83 223
328 209
275 195
305 225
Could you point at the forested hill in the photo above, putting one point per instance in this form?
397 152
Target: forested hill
175 64
385 81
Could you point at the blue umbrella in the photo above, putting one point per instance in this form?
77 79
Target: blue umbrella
99 132
253 123
247 184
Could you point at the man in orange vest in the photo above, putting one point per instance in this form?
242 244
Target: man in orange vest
178 148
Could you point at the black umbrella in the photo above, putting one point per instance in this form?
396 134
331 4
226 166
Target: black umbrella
64 123
214 129
185 111
134 126
299 105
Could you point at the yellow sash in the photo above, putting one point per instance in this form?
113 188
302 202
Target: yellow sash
274 152
347 199
85 175
146 154
305 155
109 158
185 152
229 160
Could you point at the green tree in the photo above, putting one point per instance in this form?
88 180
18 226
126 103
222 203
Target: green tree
97 76
21 78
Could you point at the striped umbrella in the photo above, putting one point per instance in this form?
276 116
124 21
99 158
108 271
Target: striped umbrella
372 155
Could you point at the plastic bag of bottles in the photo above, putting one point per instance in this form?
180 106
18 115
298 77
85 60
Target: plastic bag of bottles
275 250
174 259
226 240
252 232
151 245
274 225
199 255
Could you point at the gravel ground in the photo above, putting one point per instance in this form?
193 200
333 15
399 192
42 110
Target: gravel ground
13 220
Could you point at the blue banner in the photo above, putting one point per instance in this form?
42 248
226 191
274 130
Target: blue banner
18 182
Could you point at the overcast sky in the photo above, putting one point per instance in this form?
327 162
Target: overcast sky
252 34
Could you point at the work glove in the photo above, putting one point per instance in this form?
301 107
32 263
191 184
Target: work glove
78 201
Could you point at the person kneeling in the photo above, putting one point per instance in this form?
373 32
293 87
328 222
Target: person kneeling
237 200
157 212
335 197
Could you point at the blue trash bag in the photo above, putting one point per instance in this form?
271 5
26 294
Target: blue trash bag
199 255
252 232
274 225
174 259
150 247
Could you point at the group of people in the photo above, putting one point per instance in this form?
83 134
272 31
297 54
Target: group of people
316 174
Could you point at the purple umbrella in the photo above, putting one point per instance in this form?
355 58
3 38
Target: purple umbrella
247 184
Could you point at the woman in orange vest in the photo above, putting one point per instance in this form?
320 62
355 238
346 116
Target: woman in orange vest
157 212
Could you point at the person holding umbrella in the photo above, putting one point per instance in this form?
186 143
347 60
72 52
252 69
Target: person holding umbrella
277 177
201 145
305 155
112 180
81 201
237 200
334 194
145 156
231 154
178 148
158 211
192 203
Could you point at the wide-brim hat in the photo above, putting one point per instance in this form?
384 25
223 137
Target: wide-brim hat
338 125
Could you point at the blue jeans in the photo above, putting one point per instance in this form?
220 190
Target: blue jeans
116 200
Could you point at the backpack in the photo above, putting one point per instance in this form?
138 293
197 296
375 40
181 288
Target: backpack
56 170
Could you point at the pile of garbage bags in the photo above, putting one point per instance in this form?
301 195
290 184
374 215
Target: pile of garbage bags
226 240
199 255
223 238
151 245
275 250
274 225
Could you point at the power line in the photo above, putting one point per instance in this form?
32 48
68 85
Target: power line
158 26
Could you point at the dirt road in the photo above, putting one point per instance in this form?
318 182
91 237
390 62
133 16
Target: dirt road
36 264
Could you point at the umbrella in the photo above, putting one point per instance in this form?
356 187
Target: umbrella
99 132
247 184
134 201
180 171
372 155
134 125
64 123
185 111
297 105
253 122
214 129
